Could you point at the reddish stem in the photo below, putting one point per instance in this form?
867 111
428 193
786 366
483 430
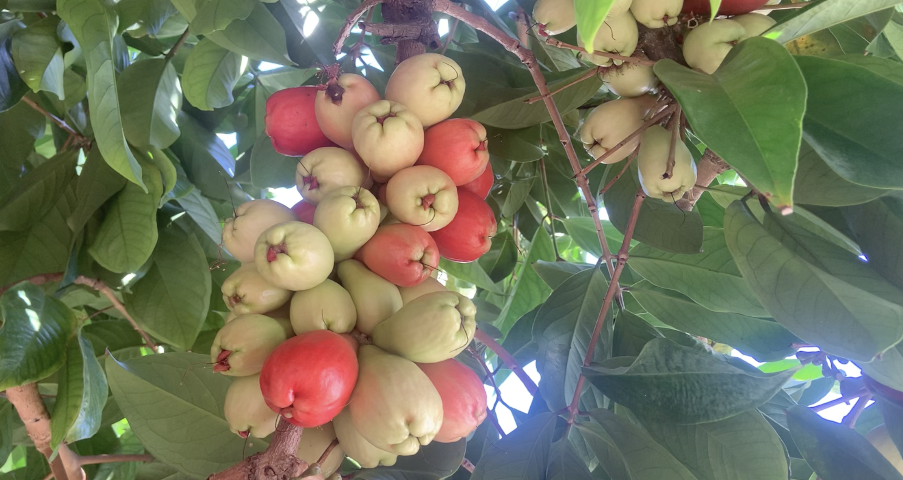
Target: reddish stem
507 359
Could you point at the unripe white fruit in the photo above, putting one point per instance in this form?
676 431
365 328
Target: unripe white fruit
246 291
557 16
429 84
326 169
388 137
618 34
240 233
652 161
429 285
348 217
327 306
755 24
375 298
612 122
245 409
656 13
706 45
294 255
357 447
630 80
335 115
314 442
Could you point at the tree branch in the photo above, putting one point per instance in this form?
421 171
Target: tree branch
589 73
175 48
350 21
34 415
97 459
559 44
709 167
839 401
507 359
53 118
278 462
850 419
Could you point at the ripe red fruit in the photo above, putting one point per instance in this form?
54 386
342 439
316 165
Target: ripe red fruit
402 254
291 122
470 234
483 184
728 7
304 211
457 147
463 398
308 379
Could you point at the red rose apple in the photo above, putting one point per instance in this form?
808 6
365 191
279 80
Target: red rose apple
463 398
483 184
402 254
728 7
308 379
470 234
304 211
291 121
457 147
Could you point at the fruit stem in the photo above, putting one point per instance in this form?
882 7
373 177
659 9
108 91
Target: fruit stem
328 450
559 44
674 126
507 359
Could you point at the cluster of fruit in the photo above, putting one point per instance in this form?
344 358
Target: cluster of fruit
337 323
608 126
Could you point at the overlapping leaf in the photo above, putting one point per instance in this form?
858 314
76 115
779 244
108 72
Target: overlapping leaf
80 396
150 98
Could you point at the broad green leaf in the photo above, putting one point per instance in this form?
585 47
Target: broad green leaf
815 305
878 227
683 385
626 452
199 209
470 272
762 338
744 446
757 134
529 290
145 16
563 328
524 454
80 396
12 88
817 184
216 15
172 298
176 409
821 15
517 195
583 231
168 170
631 333
269 168
36 329
161 471
150 98
555 273
96 184
38 192
210 74
864 154
20 125
590 15
836 452
516 145
892 412
38 55
566 464
205 158
94 24
710 277
112 335
432 462
501 259
128 232
888 369
660 224
8 415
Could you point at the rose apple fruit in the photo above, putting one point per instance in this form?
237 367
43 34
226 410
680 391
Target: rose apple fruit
294 255
612 122
555 16
618 34
291 121
326 169
483 184
402 254
246 291
630 80
245 410
375 298
880 438
241 346
428 285
706 46
728 7
442 322
755 24
656 13
463 398
470 234
313 444
429 84
356 446
327 306
394 406
458 147
388 137
308 379
423 196
349 216
337 105
240 232
304 211
652 162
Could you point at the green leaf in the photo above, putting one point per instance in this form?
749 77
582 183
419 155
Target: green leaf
38 192
565 464
176 410
172 298
742 446
12 88
269 168
757 135
626 452
112 335
864 154
150 98
470 272
201 211
583 231
210 74
128 233
836 452
817 184
96 184
38 55
36 329
80 396
815 305
710 277
821 15
888 369
147 15
205 158
878 227
683 385
660 224
590 15
515 145
555 273
563 328
529 290
517 195
762 338
216 15
20 125
432 462
524 454
93 22
892 412
501 259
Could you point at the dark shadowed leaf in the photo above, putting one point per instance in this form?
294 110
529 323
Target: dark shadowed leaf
823 15
524 454
878 227
555 273
38 192
269 168
529 290
432 462
96 184
817 184
38 54
565 464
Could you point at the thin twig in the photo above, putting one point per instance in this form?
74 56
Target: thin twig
787 6
491 377
97 459
674 126
351 21
495 421
508 360
545 187
850 419
839 401
638 61
328 450
652 121
468 465
449 36
175 48
636 153
589 73
53 118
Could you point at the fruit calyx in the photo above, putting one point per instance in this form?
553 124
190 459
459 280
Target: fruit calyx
357 202
482 146
335 92
234 300
427 201
274 250
244 433
311 182
222 361
383 118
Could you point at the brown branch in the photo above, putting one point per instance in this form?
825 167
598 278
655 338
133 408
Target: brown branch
350 21
709 167
449 36
652 121
53 118
523 27
606 303
850 419
507 359
328 450
97 459
34 415
175 48
589 73
279 461
393 33
559 44
495 421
